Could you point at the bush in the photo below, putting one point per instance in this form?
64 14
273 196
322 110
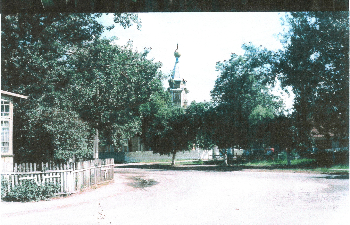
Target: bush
51 134
4 190
29 190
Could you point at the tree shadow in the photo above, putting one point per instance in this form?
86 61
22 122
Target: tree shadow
338 176
139 182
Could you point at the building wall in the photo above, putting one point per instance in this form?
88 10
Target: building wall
6 133
149 156
136 144
6 163
178 92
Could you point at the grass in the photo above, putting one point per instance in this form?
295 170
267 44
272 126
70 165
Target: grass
301 164
336 169
294 163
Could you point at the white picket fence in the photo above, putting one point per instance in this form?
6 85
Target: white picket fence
71 177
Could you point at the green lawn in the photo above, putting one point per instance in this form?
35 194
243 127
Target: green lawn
296 165
294 162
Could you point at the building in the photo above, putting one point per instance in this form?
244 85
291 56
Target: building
328 141
177 85
7 155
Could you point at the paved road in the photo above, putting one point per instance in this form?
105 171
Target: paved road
195 197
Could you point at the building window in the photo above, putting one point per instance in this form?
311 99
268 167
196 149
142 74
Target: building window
5 108
5 136
5 126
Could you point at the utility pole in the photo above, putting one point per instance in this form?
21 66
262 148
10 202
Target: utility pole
96 141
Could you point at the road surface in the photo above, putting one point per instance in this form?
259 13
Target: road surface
150 196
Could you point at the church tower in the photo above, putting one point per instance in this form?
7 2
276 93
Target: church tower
177 85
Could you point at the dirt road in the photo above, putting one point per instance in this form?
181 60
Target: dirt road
147 196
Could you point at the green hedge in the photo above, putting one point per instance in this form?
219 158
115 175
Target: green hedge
28 190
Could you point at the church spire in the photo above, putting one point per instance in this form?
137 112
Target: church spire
176 72
177 85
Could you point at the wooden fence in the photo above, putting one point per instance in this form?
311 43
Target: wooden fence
71 177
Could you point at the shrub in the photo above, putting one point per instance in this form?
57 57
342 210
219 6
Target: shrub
4 190
29 190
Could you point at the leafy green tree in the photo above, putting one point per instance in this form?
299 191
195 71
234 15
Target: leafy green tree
200 124
150 114
315 63
281 132
39 53
46 134
108 85
242 98
32 45
168 132
169 129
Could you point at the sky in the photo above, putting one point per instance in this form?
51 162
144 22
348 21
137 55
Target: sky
203 40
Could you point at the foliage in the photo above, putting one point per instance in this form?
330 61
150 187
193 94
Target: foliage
200 125
47 134
29 190
166 128
109 84
241 97
151 113
315 63
4 187
278 163
34 44
75 81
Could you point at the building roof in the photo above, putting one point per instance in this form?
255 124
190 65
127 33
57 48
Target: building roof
316 134
13 94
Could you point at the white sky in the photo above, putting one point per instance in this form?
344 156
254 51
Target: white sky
203 38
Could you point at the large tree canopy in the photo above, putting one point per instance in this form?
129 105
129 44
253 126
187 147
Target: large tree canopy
315 63
76 82
34 45
242 97
110 83
168 129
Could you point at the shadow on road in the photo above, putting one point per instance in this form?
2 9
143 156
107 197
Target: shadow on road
139 182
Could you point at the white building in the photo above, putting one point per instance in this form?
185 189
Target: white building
7 129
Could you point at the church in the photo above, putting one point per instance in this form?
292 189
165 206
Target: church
177 85
134 150
178 92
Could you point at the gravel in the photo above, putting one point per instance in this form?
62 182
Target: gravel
151 196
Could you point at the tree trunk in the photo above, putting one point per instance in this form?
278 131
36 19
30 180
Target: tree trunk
225 159
224 153
173 159
96 145
288 156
